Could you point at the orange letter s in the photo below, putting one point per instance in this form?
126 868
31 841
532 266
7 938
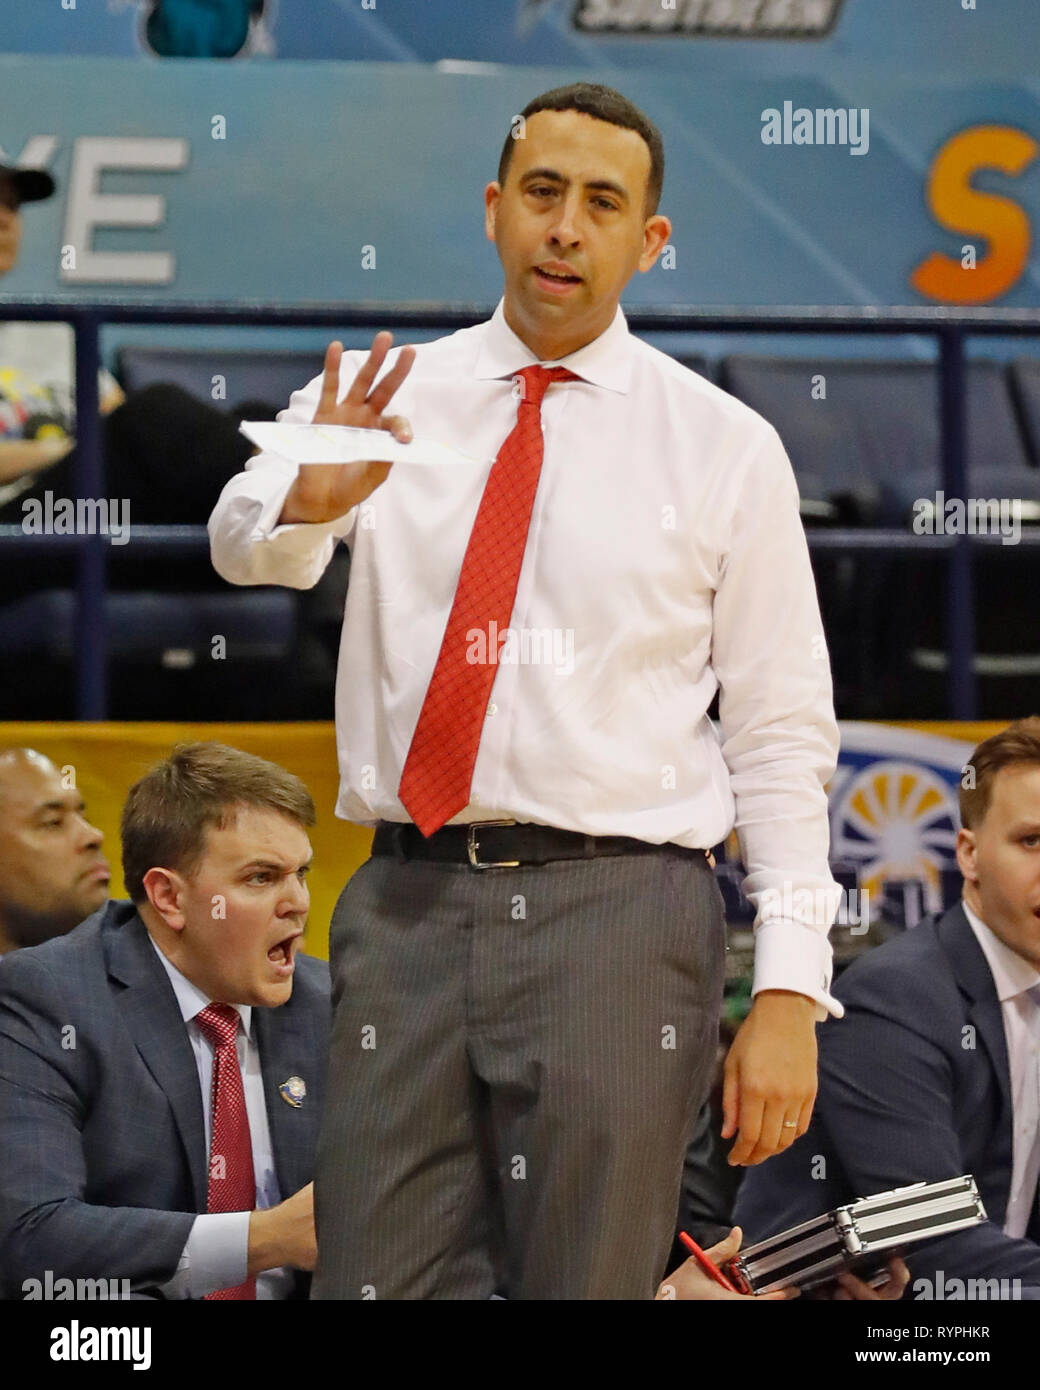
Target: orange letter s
955 204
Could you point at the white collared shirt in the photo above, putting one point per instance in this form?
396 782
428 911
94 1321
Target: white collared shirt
665 558
1013 977
216 1253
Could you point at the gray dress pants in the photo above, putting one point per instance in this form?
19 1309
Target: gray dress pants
517 1061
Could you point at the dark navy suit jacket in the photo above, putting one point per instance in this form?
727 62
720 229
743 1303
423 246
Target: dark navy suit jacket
914 1084
102 1141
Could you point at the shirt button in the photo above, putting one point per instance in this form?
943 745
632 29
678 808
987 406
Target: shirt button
492 710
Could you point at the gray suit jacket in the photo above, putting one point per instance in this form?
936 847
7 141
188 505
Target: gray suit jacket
102 1142
914 1085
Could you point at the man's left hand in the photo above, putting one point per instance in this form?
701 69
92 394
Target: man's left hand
770 1078
689 1281
850 1289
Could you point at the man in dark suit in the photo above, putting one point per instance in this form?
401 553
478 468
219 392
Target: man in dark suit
933 1071
179 1025
52 871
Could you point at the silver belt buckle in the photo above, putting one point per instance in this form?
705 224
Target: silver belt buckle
472 847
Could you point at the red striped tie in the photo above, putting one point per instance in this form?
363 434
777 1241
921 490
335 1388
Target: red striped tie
438 771
232 1186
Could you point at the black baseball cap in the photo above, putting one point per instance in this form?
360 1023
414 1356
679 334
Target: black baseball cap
31 185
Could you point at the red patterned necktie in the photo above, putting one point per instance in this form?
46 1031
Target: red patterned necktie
438 771
232 1186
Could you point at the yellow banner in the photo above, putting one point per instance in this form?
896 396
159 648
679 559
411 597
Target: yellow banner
108 758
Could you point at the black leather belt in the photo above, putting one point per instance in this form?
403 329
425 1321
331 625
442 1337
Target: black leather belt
502 844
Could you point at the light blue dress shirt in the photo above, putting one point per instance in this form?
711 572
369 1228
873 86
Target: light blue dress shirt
1017 985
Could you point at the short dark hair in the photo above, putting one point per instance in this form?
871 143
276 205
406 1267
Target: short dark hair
200 785
1018 743
593 99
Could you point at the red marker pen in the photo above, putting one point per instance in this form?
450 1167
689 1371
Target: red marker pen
709 1266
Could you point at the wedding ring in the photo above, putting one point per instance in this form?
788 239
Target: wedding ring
790 1124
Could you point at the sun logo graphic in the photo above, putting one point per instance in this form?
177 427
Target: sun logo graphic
895 817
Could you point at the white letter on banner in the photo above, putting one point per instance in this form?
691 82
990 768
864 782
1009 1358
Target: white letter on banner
88 208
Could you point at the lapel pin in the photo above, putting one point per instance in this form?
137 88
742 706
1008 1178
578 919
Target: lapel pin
293 1091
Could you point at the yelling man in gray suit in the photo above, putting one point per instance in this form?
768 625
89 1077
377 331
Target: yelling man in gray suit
162 1066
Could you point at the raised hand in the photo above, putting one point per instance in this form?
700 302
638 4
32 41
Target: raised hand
324 491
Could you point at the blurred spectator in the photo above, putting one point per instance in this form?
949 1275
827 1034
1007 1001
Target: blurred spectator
36 365
52 871
18 186
166 451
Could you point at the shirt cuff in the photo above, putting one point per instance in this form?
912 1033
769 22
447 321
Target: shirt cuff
177 1286
247 544
791 956
297 536
217 1252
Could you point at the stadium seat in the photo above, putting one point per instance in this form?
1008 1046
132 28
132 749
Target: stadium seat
873 440
1025 391
165 662
171 629
236 375
871 449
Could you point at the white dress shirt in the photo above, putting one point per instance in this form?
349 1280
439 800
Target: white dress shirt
1014 978
665 559
216 1253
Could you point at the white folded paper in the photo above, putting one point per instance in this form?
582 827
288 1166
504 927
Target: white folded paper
344 444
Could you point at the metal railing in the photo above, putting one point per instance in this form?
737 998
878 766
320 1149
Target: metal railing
949 327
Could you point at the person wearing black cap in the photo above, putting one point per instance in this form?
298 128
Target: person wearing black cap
169 453
36 402
18 186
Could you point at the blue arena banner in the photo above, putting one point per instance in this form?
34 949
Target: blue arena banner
297 182
825 38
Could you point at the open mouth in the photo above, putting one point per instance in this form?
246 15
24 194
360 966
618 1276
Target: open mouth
282 952
554 279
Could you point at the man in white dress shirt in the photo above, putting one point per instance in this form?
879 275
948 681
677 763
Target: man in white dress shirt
527 973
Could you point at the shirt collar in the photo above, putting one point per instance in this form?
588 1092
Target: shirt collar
190 999
606 361
1012 975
